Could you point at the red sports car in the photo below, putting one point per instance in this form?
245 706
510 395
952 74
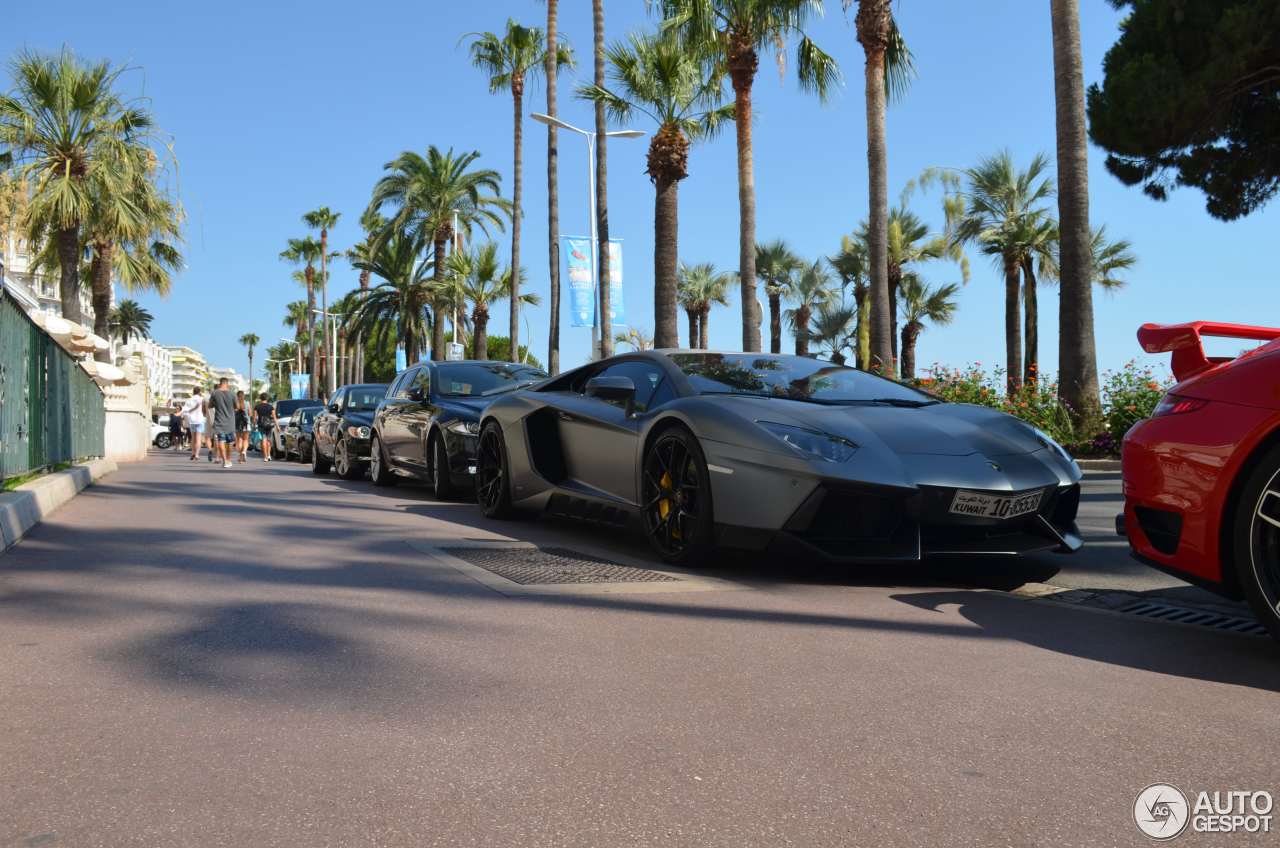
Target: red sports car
1202 475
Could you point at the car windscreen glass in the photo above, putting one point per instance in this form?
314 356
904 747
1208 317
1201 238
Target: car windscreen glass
481 379
364 399
791 378
284 408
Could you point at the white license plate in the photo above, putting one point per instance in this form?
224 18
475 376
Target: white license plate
983 505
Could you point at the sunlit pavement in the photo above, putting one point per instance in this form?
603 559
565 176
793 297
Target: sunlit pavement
257 656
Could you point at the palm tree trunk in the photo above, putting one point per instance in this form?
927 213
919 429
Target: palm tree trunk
693 328
480 334
437 325
1031 322
517 189
873 20
864 333
1077 348
602 184
775 321
313 385
743 63
802 330
665 253
1012 325
553 194
324 311
100 276
704 319
910 333
895 282
69 272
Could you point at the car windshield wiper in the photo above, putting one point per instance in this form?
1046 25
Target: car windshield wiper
774 397
904 402
504 389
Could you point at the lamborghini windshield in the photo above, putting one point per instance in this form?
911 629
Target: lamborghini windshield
792 378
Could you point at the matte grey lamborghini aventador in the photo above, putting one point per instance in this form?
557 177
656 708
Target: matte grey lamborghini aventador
755 451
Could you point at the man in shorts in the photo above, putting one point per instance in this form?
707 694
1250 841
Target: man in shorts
222 405
193 414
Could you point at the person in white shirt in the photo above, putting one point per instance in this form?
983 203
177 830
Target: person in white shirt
193 414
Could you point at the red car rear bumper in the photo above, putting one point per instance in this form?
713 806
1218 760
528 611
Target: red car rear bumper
1179 472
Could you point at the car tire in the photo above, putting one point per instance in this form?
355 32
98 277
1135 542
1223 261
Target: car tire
319 465
493 474
1255 537
347 468
676 507
379 469
163 441
440 479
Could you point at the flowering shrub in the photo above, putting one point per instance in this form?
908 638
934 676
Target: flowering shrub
1128 395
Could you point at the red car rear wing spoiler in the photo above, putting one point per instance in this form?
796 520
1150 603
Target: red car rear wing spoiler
1188 350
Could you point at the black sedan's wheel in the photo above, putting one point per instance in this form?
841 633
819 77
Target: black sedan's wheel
379 470
676 498
1256 537
440 479
319 465
344 463
493 474
163 441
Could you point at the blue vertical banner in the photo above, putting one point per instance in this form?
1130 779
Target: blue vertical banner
577 257
298 385
401 361
617 308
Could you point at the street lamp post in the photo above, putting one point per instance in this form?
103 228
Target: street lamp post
333 337
597 321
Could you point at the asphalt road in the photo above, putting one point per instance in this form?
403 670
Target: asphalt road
201 657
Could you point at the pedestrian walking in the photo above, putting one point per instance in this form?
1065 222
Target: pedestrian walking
222 403
265 416
193 417
175 427
242 427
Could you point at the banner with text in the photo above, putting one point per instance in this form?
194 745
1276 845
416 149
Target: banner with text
582 277
298 385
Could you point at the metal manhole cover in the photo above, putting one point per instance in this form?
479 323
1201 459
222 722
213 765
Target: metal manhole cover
530 566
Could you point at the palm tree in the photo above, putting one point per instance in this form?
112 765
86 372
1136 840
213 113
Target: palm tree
553 189
399 306
482 281
659 77
324 219
250 340
426 193
852 266
1110 258
296 319
775 263
810 290
371 223
1038 236
888 71
129 321
71 136
921 303
734 32
834 327
1000 202
306 252
635 338
1077 347
693 311
701 287
602 180
509 61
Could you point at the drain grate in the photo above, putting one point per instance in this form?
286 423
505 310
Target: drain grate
533 566
1196 617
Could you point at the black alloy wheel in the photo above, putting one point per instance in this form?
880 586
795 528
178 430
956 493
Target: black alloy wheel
319 465
379 470
675 497
347 468
1256 540
440 479
163 441
493 478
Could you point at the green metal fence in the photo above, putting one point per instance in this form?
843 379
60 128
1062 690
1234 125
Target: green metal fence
51 411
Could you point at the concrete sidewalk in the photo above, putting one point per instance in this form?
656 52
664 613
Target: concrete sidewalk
258 656
32 502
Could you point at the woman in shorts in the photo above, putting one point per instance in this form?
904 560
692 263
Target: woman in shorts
265 415
242 427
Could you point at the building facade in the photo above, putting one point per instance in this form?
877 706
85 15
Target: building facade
189 371
237 382
158 363
36 290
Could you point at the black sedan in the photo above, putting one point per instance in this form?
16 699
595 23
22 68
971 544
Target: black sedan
296 433
755 451
426 426
341 430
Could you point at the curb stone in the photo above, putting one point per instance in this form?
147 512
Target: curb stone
30 503
1087 465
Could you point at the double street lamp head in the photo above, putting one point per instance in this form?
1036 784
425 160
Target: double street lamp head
556 122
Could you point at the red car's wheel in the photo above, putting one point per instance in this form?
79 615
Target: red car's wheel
1256 540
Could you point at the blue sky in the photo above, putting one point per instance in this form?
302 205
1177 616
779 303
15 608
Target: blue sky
276 108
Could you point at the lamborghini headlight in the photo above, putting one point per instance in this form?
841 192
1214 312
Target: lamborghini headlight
812 443
1049 442
358 432
466 428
